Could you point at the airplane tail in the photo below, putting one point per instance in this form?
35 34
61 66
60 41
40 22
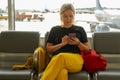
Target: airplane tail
98 5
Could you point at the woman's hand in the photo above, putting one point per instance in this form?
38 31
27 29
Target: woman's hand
82 46
74 41
65 40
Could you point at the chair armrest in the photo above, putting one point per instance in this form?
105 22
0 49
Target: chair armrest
35 55
39 59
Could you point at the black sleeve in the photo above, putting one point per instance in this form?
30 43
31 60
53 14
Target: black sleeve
83 34
55 35
51 37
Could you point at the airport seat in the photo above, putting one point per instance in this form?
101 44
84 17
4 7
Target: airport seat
15 47
83 75
108 44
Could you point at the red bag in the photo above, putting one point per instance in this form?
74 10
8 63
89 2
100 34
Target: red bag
93 61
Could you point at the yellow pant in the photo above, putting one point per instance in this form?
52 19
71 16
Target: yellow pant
61 64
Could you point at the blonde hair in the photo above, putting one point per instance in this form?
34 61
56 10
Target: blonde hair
67 6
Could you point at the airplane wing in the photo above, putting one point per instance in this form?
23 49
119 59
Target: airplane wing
97 25
93 22
87 21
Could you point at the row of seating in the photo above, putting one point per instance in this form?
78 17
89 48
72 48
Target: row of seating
16 46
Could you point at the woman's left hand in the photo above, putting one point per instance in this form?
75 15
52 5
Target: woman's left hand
74 41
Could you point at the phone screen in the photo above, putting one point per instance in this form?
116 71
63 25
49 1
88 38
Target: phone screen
72 35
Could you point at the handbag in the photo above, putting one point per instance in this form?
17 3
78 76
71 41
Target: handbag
93 61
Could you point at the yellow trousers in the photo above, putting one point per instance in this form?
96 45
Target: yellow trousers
61 64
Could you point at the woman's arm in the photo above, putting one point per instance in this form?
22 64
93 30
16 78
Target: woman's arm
51 48
82 46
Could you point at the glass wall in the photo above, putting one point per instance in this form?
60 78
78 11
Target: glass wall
3 15
41 15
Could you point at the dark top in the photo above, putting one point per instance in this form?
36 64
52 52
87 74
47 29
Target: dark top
57 32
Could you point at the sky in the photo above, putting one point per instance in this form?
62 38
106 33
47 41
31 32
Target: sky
55 4
52 4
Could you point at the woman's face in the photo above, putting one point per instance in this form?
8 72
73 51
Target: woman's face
67 18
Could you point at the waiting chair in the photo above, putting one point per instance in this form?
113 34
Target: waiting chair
108 44
15 47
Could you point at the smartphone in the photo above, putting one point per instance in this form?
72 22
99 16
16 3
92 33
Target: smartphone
72 35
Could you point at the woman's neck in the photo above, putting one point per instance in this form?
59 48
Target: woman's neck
65 26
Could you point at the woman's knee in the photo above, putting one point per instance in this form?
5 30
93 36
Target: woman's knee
64 72
61 55
63 75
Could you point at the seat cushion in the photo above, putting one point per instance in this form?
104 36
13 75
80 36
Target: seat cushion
7 60
83 75
108 75
8 74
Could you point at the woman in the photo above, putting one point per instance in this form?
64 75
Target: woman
64 43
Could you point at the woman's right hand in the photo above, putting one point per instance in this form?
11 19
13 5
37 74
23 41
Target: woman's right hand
65 40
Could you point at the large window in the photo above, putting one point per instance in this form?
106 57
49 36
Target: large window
41 15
